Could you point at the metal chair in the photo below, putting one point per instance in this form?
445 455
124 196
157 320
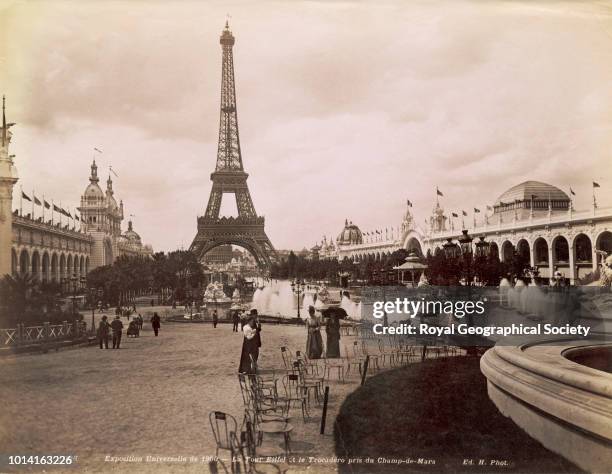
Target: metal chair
261 428
365 352
385 353
331 364
287 357
223 426
357 359
310 384
294 392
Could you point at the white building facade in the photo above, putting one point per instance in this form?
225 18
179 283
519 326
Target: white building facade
534 219
56 249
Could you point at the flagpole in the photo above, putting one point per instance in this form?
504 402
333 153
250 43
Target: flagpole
52 209
33 199
21 201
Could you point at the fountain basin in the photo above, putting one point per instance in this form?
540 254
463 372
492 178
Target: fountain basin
565 405
595 357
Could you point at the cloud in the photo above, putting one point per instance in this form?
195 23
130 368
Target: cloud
346 109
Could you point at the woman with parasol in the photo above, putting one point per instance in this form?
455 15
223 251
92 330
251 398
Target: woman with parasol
314 341
333 315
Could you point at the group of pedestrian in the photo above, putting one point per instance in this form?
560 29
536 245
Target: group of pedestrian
105 329
314 340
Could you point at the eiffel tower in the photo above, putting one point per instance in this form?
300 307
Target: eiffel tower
229 177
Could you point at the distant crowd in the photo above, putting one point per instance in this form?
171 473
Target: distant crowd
115 328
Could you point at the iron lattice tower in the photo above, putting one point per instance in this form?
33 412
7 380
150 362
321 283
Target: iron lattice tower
229 177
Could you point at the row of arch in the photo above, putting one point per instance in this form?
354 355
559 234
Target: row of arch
575 256
412 244
45 267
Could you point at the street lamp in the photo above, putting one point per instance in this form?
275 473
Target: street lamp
466 251
482 247
297 287
74 279
465 241
92 300
450 248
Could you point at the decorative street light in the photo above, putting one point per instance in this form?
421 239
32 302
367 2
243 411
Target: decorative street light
450 248
297 286
482 247
74 280
466 251
93 293
466 242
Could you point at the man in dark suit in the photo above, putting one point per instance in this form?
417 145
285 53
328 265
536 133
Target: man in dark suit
156 323
257 337
117 327
235 321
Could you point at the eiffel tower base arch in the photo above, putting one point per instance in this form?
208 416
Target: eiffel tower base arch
246 233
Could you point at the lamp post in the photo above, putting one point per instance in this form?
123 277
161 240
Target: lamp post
482 247
482 255
466 251
449 248
297 287
73 280
92 300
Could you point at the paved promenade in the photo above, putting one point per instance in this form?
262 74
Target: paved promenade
150 398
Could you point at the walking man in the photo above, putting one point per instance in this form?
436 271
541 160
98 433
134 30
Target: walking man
103 330
215 318
156 323
117 327
236 321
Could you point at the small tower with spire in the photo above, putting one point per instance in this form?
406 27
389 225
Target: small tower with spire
8 178
93 178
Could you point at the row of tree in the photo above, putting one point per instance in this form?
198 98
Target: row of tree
178 271
442 269
23 299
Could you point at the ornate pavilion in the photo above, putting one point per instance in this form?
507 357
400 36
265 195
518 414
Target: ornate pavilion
533 218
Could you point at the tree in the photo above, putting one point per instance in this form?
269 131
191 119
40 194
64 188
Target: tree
15 290
24 300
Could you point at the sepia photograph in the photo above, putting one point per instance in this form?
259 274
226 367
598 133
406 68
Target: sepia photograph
306 236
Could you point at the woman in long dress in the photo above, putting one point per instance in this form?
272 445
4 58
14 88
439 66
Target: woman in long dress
250 348
332 328
314 341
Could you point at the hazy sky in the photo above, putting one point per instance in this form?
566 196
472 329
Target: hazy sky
346 109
